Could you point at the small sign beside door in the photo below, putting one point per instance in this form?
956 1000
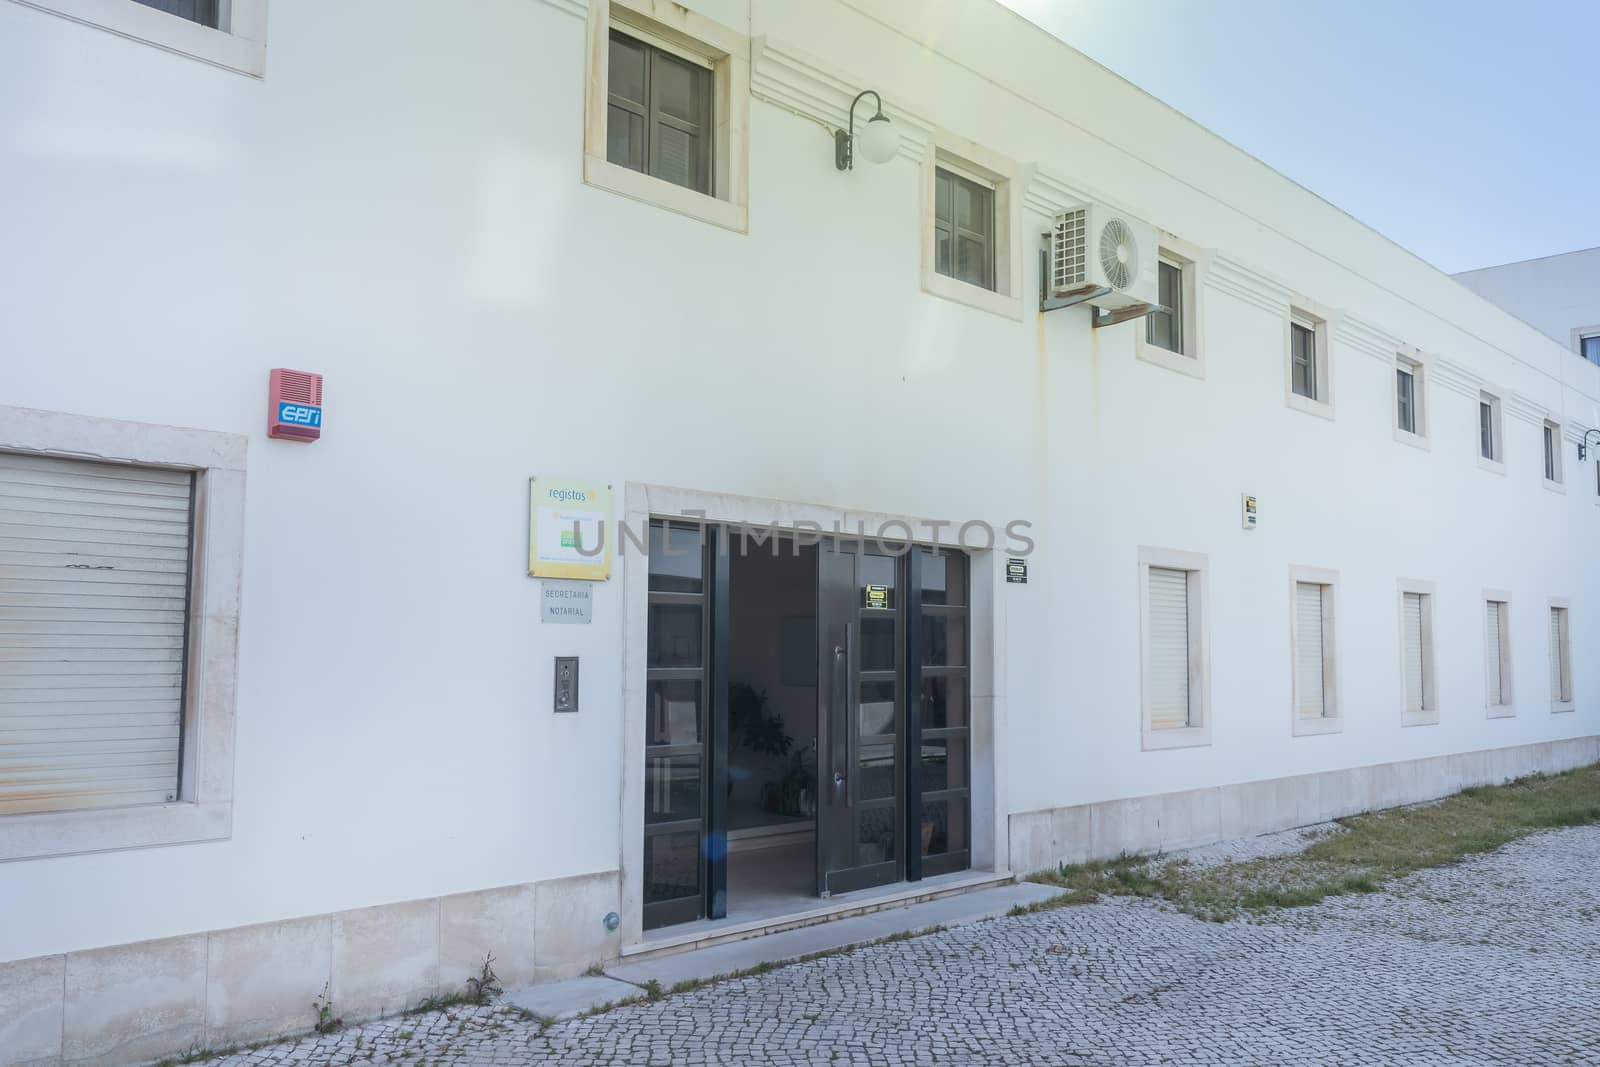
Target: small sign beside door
571 602
877 596
1017 571
1247 511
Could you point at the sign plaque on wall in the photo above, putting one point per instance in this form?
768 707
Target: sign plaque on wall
569 530
570 602
1017 571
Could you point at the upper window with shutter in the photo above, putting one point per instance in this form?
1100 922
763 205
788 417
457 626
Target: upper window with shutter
1312 662
1308 355
1491 440
1560 658
1553 477
659 115
1173 656
94 604
1420 700
1171 335
1497 653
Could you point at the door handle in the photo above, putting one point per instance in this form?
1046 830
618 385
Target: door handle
838 779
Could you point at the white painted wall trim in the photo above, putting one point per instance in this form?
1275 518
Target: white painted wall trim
241 46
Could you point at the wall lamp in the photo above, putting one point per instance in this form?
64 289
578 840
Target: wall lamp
879 142
1583 445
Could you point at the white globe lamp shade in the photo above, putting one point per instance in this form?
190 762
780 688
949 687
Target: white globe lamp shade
877 142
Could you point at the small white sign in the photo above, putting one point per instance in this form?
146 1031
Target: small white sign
1247 511
571 602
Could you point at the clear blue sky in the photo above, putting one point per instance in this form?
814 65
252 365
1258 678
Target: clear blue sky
1467 131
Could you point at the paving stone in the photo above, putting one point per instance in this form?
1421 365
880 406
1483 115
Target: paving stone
1495 960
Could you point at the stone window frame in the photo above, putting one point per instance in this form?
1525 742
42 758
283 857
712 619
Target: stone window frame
947 151
727 51
239 44
1194 262
1505 654
1415 363
1429 714
204 808
1305 312
1568 701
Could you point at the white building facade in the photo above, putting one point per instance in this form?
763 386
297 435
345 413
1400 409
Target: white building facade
278 716
1557 295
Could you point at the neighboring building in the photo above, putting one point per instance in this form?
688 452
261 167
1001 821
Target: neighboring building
1557 295
277 716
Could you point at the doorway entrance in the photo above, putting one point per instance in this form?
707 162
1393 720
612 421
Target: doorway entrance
808 722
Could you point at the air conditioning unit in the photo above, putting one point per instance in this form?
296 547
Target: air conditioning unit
1094 247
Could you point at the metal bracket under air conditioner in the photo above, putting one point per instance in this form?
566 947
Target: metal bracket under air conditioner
1133 311
1055 303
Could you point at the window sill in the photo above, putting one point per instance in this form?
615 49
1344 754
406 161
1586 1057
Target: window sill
1327 724
947 288
1178 362
1562 707
1184 737
1493 466
243 48
1321 409
1426 717
1555 487
1500 711
65 833
603 174
1415 440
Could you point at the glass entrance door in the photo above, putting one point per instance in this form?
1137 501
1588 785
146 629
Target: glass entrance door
861 658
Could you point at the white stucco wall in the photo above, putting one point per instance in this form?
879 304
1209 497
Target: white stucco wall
1556 295
399 205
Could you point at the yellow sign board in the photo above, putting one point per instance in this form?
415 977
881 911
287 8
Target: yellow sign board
569 529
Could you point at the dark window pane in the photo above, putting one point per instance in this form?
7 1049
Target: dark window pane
676 562
971 260
877 641
878 577
671 788
1303 342
674 153
944 640
964 227
626 69
944 764
877 771
1165 328
944 703
1485 430
1591 348
1549 454
943 197
876 836
671 866
674 639
944 826
202 11
624 138
673 713
1404 384
877 708
941 241
677 88
943 577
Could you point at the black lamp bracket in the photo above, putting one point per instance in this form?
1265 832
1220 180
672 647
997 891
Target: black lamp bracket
1583 445
844 156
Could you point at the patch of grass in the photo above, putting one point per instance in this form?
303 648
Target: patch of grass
1373 850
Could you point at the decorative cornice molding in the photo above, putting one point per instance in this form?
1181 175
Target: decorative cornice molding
1049 195
1230 276
580 8
1357 333
1453 376
1523 407
808 87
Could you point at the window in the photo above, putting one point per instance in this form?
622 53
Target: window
1560 658
1311 631
1552 455
1421 700
202 11
1303 352
1497 654
963 228
971 228
224 33
1410 399
658 119
1172 589
672 124
1171 336
1491 445
125 583
1309 387
1589 347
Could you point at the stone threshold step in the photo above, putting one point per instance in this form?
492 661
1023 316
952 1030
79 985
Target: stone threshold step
625 980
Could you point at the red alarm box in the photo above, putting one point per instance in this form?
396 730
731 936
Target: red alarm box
294 405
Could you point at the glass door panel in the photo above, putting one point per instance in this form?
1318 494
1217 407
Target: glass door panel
938 779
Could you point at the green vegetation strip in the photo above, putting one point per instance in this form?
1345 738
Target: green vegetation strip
1373 849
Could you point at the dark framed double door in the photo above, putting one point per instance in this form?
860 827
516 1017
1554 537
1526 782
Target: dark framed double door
893 785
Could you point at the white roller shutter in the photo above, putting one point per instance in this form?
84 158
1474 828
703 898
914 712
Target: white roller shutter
94 565
1558 626
1496 639
1169 648
1308 650
1411 627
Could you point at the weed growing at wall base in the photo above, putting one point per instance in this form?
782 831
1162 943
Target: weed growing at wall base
1375 849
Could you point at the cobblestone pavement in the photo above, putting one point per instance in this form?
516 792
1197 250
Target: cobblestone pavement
1496 960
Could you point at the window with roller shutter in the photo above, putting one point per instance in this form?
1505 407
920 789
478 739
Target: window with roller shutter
1420 703
95 560
1560 658
1173 659
1497 656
